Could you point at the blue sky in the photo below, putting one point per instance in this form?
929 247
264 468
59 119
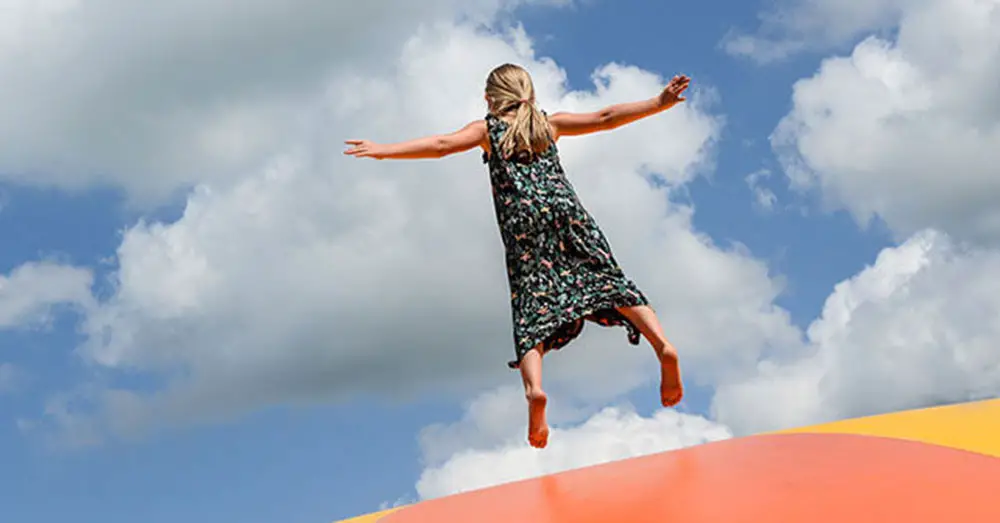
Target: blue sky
333 459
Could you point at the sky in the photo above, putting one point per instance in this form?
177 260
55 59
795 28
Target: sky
208 312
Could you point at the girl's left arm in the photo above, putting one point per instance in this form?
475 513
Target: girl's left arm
439 146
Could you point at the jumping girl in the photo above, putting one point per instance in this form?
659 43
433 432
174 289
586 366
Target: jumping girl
560 268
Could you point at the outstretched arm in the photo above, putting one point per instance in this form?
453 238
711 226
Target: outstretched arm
437 146
573 124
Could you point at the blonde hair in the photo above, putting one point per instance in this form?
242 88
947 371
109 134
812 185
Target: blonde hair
509 88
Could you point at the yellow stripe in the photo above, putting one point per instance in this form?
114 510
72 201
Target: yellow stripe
968 426
369 518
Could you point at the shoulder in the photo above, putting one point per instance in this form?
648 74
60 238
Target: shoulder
557 117
477 132
556 121
481 128
475 126
476 129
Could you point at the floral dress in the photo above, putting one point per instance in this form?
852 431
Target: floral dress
560 268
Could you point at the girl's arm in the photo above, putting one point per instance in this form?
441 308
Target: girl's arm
573 124
437 146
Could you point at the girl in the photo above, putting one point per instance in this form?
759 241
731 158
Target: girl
560 268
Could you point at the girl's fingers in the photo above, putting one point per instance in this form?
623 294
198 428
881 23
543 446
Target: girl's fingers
357 149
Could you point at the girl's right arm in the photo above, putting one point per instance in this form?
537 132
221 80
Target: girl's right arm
574 124
437 146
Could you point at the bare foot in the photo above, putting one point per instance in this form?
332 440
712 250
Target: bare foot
671 389
538 428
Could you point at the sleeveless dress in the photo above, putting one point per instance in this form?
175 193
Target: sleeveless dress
560 268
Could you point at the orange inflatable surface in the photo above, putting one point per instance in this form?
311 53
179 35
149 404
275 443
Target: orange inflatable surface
922 466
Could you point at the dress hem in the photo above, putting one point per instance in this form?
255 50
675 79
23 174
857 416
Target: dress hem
598 313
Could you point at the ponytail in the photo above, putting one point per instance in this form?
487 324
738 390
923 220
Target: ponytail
529 134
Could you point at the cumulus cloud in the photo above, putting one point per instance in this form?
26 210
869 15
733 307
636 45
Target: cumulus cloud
497 452
906 130
789 27
919 327
157 100
296 274
903 130
30 291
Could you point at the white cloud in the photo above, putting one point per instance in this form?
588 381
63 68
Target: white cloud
496 418
764 198
907 130
30 291
789 27
158 100
919 327
316 276
498 453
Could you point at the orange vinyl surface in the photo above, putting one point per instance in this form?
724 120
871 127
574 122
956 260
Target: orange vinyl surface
795 478
921 466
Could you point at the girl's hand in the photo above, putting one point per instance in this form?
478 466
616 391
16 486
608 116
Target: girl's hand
364 149
672 92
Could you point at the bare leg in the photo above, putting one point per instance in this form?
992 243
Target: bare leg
671 389
531 375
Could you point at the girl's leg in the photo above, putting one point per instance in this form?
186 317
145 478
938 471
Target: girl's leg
531 375
671 389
